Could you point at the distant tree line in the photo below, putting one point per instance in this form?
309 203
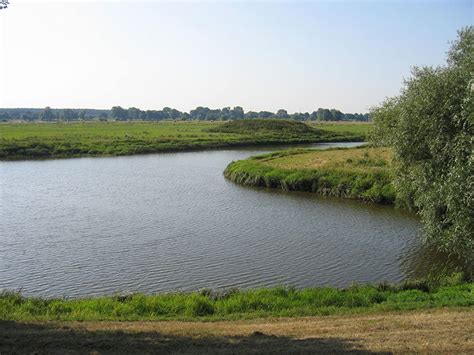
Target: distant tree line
49 114
199 113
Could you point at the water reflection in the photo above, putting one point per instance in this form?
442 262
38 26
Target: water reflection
427 261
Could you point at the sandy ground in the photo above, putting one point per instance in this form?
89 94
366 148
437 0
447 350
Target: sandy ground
437 331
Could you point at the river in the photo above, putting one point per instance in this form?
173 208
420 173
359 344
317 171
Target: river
172 222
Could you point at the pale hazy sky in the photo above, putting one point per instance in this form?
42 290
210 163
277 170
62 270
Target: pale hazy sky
262 55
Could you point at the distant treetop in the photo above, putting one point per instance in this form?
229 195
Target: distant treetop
199 113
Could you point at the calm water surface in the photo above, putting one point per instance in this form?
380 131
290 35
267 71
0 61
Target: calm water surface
166 222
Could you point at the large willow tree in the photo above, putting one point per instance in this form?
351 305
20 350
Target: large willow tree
430 127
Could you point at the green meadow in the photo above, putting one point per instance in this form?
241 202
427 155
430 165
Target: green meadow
67 139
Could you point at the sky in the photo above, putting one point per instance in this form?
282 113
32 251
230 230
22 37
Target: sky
261 55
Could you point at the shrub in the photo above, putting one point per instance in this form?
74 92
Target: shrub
430 126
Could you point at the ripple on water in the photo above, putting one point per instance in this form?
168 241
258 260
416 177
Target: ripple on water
168 222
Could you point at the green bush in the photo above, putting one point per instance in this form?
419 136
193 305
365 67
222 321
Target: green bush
430 127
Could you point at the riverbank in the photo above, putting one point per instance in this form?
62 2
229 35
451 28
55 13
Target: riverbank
62 140
357 173
243 304
446 330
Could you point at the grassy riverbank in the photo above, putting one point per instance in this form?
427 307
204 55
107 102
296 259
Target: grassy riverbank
359 173
235 304
43 140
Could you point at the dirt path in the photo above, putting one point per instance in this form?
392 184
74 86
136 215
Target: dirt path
437 331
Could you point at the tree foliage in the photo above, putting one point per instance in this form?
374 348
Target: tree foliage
430 127
4 4
198 114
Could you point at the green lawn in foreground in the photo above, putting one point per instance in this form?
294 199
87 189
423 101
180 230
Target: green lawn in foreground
235 304
30 140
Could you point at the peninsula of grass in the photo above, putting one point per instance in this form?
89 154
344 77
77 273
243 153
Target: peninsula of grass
62 139
239 304
357 173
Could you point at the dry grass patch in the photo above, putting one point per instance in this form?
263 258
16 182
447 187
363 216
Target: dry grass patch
348 159
435 331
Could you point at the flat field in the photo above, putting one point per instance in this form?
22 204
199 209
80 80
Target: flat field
42 140
361 128
438 331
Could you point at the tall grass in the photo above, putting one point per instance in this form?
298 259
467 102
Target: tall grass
235 304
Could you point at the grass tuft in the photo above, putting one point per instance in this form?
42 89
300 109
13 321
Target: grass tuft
235 304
